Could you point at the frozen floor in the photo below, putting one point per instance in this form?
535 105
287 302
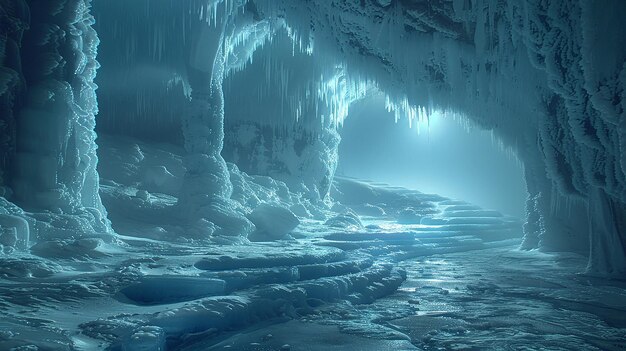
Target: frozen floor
416 271
492 299
460 292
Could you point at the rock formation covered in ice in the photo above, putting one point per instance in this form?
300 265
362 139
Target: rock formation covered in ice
303 101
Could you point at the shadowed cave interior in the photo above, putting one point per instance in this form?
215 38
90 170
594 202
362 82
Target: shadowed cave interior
312 175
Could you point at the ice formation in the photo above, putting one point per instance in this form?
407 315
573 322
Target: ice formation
220 127
461 57
448 55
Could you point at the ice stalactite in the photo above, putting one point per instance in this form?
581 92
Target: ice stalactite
284 114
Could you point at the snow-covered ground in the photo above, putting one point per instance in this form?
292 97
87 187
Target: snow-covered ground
379 268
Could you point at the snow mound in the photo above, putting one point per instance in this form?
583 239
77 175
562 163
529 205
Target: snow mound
348 220
14 232
273 222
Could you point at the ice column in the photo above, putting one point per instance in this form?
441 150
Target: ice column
205 195
55 163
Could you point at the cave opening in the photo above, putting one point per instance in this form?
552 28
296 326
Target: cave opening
444 154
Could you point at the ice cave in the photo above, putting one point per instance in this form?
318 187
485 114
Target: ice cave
312 175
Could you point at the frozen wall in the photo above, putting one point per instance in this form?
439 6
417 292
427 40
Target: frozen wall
48 53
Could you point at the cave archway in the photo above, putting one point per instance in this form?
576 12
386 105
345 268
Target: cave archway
442 155
448 55
523 70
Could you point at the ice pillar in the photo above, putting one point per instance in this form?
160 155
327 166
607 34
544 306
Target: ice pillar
55 162
205 194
